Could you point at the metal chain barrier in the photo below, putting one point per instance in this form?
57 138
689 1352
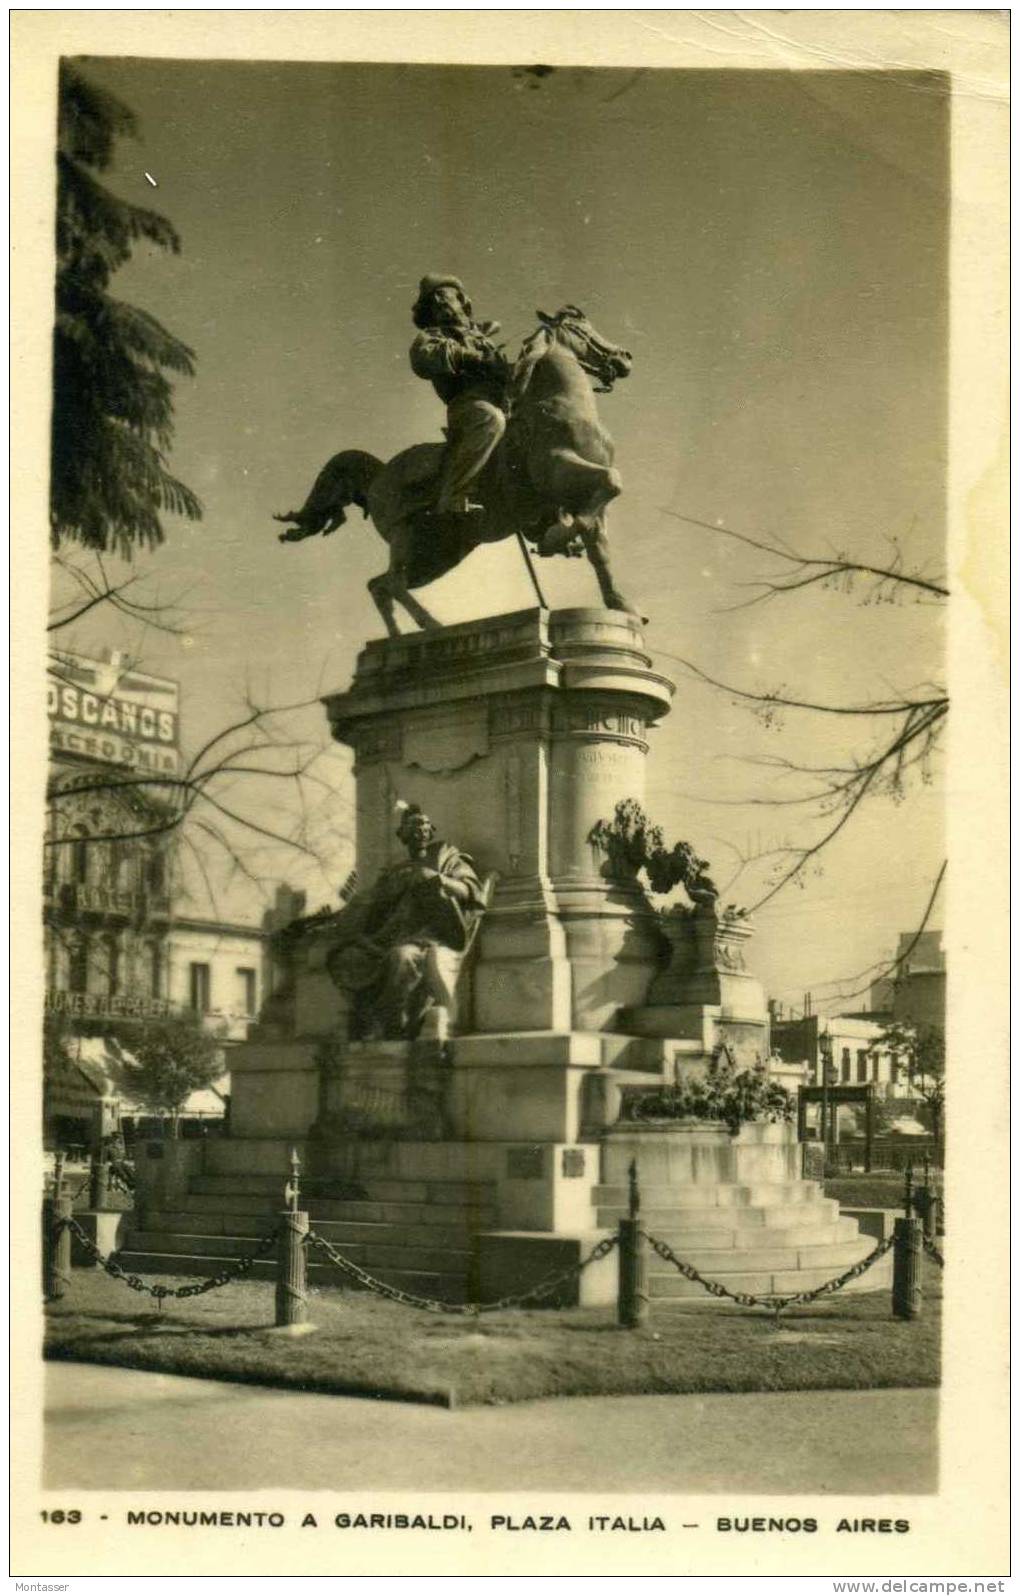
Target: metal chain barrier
933 1252
545 1288
776 1304
237 1269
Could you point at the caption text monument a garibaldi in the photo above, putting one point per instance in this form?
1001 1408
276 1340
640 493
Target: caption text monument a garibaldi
469 1052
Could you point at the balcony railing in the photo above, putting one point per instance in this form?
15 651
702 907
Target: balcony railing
84 897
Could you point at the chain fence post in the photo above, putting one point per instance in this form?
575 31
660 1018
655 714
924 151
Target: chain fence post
632 1294
906 1286
292 1261
930 1212
56 1236
99 1182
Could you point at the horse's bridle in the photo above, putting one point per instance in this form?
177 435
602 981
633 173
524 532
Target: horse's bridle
596 362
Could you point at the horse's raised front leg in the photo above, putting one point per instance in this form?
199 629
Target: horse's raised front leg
580 486
596 546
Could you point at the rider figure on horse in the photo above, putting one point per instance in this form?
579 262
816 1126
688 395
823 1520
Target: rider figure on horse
471 376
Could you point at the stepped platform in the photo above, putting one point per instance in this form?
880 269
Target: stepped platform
450 1240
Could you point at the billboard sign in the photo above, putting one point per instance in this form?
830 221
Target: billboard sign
107 711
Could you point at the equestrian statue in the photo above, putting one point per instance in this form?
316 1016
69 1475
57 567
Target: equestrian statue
525 454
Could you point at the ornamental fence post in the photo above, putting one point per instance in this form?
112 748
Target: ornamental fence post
632 1294
908 1192
292 1264
906 1286
57 1209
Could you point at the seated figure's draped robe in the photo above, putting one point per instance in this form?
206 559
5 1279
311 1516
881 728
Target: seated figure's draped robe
383 936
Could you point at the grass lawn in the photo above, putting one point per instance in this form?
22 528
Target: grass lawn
880 1190
365 1345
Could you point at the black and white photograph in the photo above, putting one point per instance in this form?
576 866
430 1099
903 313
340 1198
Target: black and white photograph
512 1054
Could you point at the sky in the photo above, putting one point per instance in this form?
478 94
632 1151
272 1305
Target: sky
771 247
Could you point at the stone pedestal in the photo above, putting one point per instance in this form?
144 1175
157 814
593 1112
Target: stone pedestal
516 734
478 1162
705 993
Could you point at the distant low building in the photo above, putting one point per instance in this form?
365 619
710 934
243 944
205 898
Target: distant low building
852 1043
216 970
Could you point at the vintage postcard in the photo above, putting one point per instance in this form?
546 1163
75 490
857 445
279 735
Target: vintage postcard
510 959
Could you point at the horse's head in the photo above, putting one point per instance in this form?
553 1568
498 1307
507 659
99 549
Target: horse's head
602 360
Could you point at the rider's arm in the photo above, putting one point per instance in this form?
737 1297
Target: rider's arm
433 355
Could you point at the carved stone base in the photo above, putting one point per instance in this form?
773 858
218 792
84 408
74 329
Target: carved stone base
516 734
385 1091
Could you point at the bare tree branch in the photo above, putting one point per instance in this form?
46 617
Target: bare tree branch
827 566
163 615
877 707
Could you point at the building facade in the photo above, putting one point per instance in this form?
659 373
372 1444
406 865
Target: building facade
122 940
851 1044
916 993
216 970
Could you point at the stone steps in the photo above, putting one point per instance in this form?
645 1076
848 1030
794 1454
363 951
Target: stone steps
766 1273
825 1211
762 1194
210 1231
684 1237
762 1237
441 1193
374 1254
206 1204
444 1285
240 1185
718 1263
416 1234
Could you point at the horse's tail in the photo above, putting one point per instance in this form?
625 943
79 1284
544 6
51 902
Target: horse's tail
344 480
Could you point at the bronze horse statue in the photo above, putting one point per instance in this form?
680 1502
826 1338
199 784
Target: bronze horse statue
550 479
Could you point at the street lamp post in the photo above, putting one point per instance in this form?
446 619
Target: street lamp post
825 1060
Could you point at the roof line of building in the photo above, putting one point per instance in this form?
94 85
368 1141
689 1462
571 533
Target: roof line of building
196 923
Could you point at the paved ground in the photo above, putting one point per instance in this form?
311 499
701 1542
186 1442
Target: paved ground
101 1425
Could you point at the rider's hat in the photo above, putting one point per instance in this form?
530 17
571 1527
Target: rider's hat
426 288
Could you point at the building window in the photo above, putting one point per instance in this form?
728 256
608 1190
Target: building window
110 973
119 867
246 994
844 1064
80 854
78 967
156 871
199 987
862 1064
151 969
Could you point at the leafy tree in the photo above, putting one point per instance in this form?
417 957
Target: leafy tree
923 1050
163 1061
112 400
